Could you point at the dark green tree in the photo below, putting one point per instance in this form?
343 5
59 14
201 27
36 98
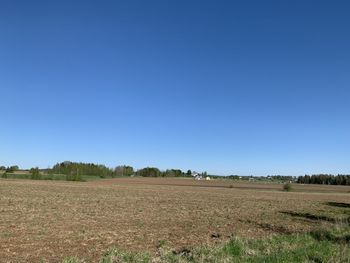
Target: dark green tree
123 170
149 172
12 169
329 179
173 173
78 169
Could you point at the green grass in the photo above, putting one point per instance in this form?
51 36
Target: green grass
57 177
329 245
285 248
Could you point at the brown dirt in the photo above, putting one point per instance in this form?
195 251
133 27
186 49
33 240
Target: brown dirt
48 220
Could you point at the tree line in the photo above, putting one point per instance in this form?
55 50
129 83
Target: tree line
9 169
155 172
330 179
75 169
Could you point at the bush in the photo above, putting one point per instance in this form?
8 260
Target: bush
74 177
35 174
287 187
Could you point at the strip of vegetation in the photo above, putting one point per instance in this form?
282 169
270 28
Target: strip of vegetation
340 179
75 170
330 245
54 177
72 168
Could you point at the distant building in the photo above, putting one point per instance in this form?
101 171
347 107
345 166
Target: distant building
197 176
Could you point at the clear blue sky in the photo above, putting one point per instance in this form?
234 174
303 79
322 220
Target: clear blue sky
230 87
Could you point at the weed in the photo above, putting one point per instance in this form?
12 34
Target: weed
72 260
287 187
118 256
234 247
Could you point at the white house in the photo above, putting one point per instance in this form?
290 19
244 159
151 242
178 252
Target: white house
197 176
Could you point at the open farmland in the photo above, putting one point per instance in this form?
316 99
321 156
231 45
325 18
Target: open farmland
49 220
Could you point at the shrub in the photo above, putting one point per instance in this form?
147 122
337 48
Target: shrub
287 187
74 177
35 174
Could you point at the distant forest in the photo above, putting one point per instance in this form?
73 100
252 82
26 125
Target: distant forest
330 179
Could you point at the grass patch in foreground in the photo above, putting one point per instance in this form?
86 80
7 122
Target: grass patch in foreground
331 245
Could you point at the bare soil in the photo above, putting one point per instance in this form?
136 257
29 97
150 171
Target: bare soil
49 220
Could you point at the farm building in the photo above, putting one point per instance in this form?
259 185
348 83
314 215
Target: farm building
197 176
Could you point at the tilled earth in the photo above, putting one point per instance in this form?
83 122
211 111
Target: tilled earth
49 220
